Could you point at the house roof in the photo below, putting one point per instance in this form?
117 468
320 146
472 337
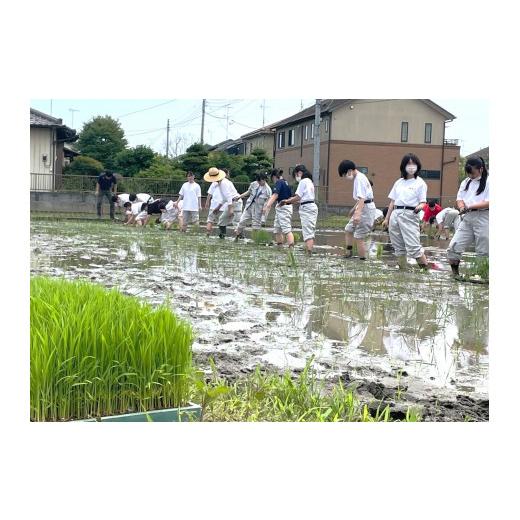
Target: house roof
42 120
328 105
260 131
484 153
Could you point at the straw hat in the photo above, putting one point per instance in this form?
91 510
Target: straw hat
214 175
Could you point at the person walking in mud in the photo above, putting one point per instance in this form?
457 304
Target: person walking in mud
364 211
407 199
238 205
258 194
473 205
220 195
190 197
106 186
305 197
283 217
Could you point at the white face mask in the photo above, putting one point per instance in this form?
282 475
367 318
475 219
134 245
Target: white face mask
350 175
411 169
298 178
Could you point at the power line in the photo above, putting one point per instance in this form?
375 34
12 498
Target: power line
147 108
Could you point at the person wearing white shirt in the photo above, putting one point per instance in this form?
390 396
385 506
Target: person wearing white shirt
142 197
364 211
137 213
119 202
170 213
191 194
447 219
308 209
473 204
407 199
220 194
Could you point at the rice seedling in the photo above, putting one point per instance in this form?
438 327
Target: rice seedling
275 398
261 236
96 352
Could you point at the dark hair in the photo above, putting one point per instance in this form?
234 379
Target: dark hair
127 205
144 206
109 172
477 162
371 183
299 168
406 159
114 198
432 203
345 166
132 197
189 173
261 176
276 173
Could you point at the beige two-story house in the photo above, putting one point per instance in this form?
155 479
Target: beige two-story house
375 134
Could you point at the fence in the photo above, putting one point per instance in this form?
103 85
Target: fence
80 189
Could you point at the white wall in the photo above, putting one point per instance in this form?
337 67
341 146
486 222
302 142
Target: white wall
41 144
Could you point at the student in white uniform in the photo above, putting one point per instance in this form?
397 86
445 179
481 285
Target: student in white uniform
308 209
364 211
222 193
171 213
120 201
137 213
407 199
473 204
258 194
447 220
190 196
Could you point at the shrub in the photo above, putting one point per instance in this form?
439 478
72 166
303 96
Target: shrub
83 165
96 352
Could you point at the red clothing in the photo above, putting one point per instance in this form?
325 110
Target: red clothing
430 213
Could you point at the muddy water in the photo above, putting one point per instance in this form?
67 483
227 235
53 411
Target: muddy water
249 306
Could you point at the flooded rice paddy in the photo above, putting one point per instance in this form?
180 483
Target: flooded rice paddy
250 305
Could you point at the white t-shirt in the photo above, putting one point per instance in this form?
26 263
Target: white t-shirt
190 192
225 191
470 197
441 216
122 199
143 197
215 196
408 192
362 188
378 214
305 190
136 208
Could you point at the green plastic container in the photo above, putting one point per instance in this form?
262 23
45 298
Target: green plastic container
192 412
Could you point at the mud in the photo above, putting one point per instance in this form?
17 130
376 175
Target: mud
403 338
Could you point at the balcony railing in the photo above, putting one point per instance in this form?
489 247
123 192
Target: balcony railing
451 142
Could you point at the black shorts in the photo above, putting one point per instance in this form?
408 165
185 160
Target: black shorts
153 208
432 220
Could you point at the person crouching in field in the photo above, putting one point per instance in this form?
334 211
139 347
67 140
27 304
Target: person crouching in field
283 217
364 211
308 209
171 213
447 220
407 199
258 194
431 210
137 213
473 204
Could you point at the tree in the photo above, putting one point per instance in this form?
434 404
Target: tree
83 165
102 138
256 162
235 163
132 160
162 168
196 159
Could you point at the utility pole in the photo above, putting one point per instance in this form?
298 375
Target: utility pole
316 164
167 137
263 113
72 110
51 107
202 127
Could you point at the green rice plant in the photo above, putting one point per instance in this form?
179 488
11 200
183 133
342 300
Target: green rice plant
297 237
379 252
273 397
96 352
478 266
261 236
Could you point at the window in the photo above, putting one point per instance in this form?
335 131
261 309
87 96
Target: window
306 132
281 140
404 132
290 138
326 125
427 132
430 174
312 130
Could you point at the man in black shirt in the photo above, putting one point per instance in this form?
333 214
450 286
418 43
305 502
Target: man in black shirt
106 186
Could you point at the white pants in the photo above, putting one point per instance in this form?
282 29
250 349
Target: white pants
405 233
366 222
282 220
253 213
473 229
308 217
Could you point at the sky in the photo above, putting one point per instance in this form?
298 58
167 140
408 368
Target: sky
144 120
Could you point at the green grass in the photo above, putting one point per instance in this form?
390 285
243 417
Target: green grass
280 398
478 266
332 222
96 352
261 236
